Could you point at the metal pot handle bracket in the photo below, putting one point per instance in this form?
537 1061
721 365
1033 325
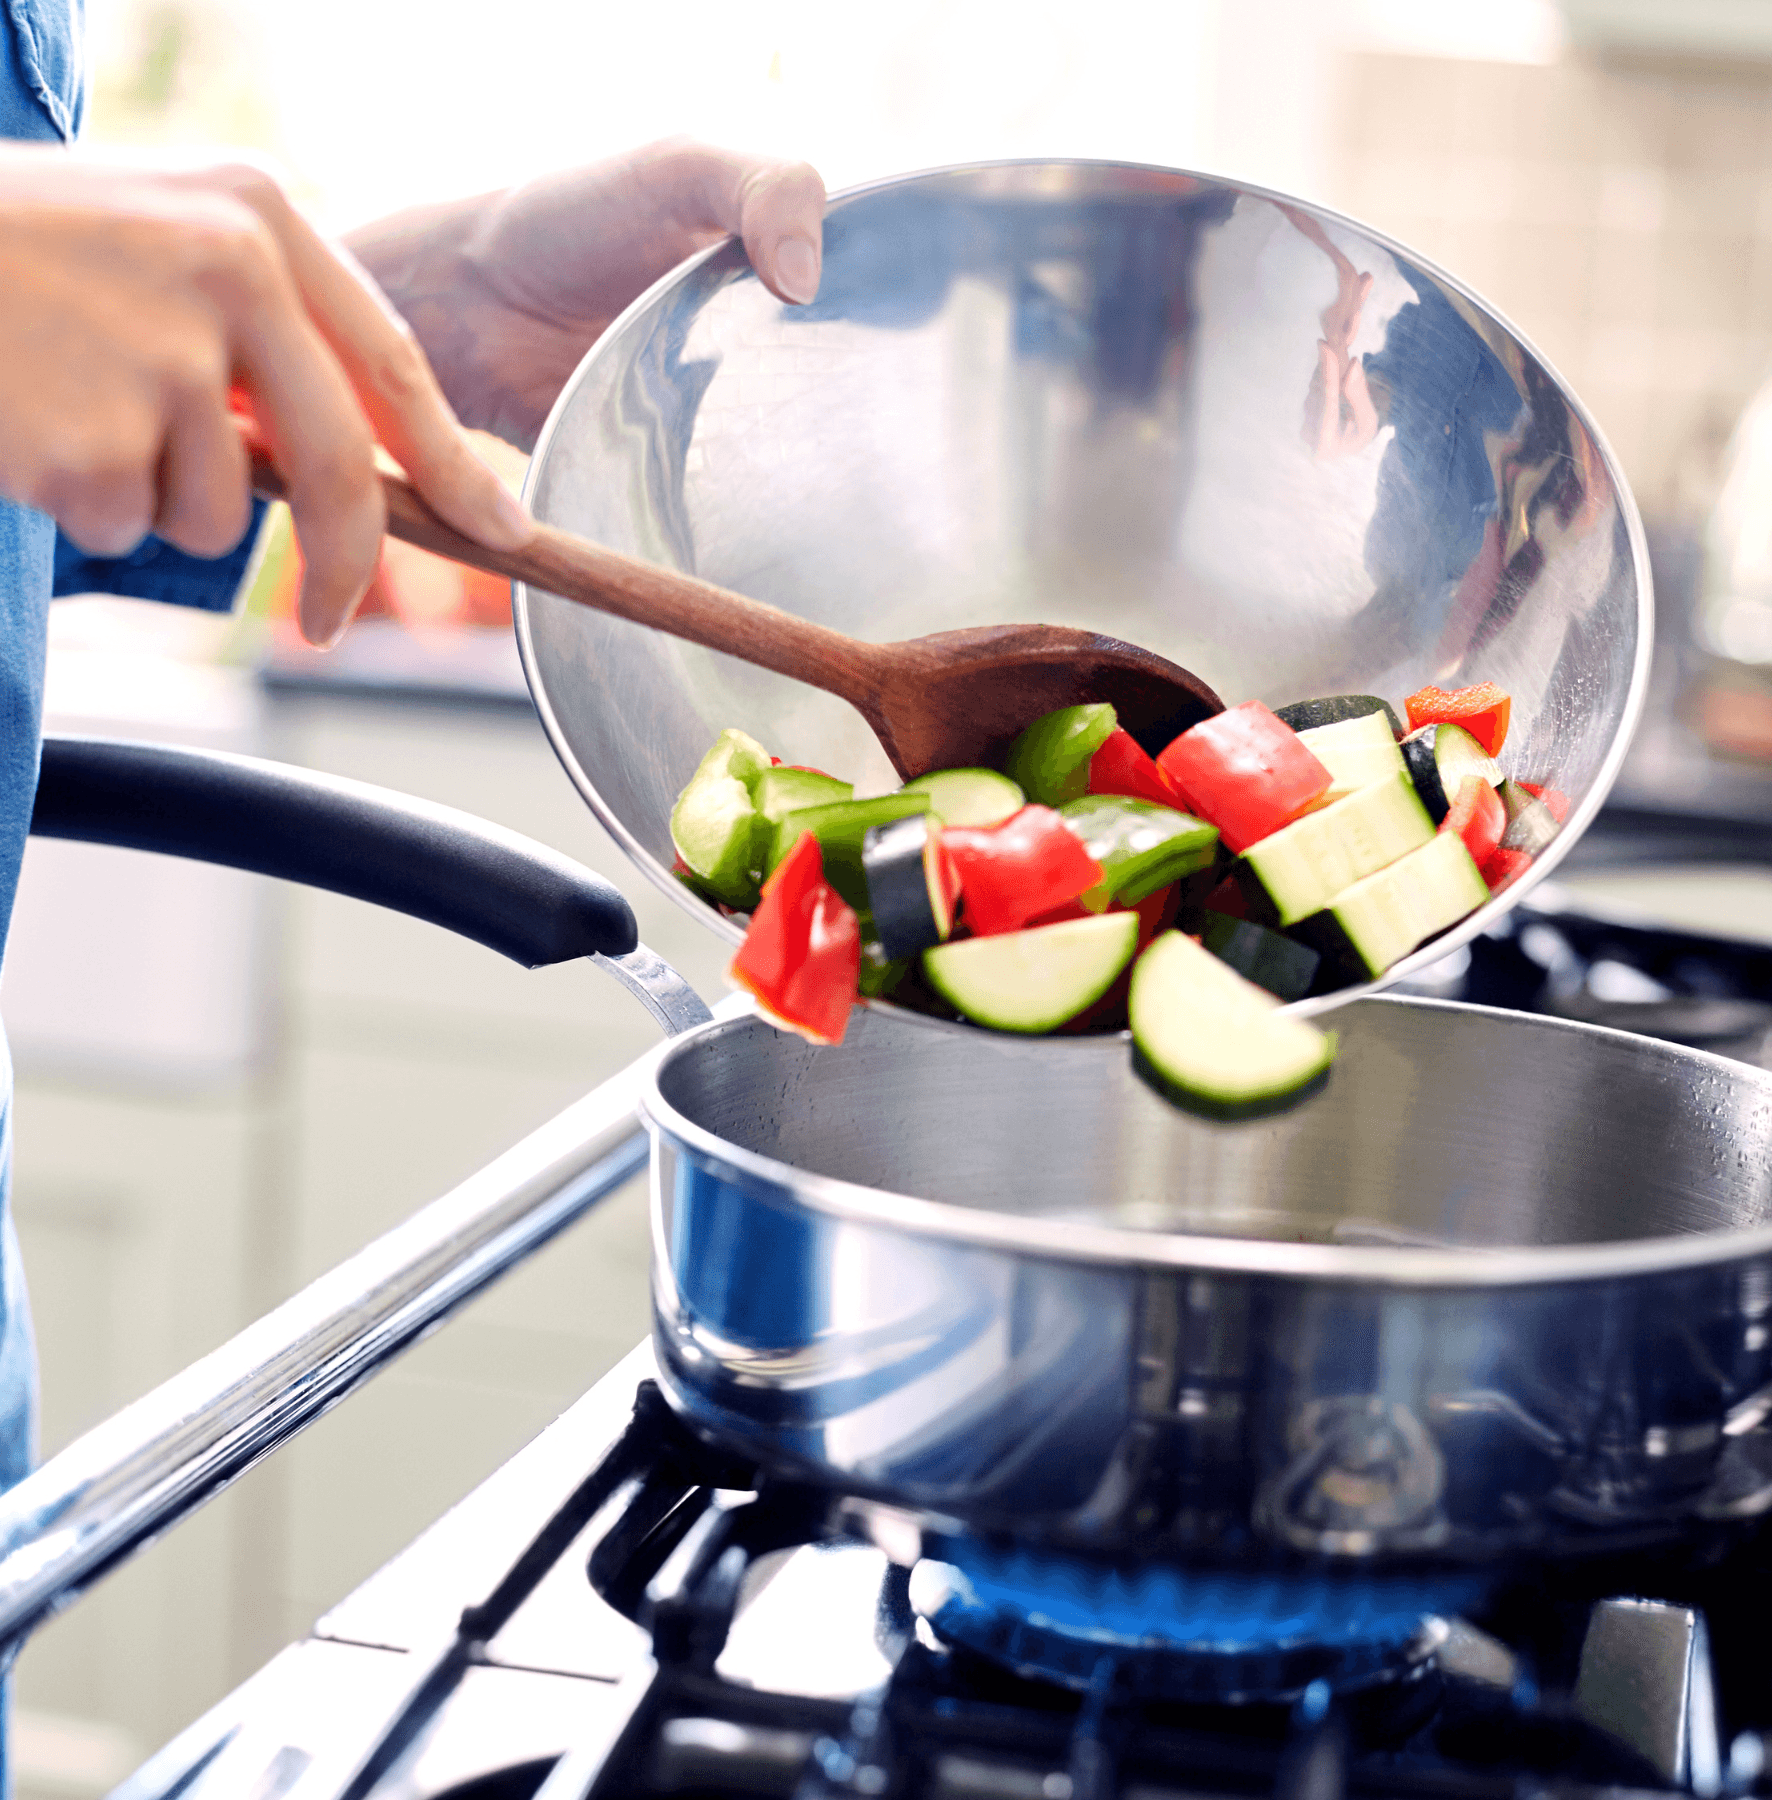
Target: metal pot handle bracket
122 1483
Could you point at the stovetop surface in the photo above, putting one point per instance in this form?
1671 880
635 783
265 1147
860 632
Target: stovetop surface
621 1610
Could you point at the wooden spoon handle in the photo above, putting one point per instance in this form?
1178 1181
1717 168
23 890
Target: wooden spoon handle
684 605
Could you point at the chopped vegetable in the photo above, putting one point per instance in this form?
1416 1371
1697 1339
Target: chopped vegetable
801 958
1044 898
1438 758
714 823
1012 873
1378 921
1140 847
1482 711
912 885
781 790
1216 1044
969 796
1505 867
1356 752
1479 817
1034 980
1299 870
841 829
1308 715
1554 798
1530 823
1121 766
1245 771
1050 760
1282 965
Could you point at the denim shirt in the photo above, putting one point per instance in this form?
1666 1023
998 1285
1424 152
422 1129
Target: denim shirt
42 97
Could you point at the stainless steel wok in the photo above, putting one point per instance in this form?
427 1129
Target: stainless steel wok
1089 394
1505 1287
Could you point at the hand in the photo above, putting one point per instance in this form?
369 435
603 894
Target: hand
134 303
508 291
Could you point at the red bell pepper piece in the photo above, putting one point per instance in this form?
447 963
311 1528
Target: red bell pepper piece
1032 863
1505 866
1478 816
1554 798
801 957
1121 766
1244 771
1482 711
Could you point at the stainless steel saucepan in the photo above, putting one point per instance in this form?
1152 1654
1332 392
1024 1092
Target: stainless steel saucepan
1504 1287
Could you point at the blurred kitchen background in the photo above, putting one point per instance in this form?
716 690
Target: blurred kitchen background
225 1088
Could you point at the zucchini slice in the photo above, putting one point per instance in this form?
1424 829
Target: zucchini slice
1378 921
1282 965
911 891
1303 866
1036 979
969 796
1356 752
1438 758
842 829
1213 1043
1310 715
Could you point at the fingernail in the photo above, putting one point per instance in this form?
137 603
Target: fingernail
796 269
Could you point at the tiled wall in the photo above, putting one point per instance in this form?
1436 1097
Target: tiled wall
1621 215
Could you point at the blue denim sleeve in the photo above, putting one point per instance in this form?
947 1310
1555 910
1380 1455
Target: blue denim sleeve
155 571
42 74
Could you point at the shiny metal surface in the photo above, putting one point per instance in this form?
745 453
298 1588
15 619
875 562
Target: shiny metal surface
1645 1677
1089 395
1505 1286
160 1458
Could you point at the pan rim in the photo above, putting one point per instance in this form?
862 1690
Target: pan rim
1074 1241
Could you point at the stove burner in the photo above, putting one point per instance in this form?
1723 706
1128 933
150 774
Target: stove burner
1194 1635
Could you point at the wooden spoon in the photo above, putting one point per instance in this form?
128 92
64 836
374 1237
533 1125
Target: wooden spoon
952 700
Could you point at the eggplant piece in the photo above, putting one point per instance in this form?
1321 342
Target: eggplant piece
1439 758
1310 715
911 886
1281 965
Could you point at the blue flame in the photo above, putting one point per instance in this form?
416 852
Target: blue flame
1202 1611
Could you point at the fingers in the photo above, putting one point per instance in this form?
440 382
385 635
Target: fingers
322 447
388 373
205 490
778 209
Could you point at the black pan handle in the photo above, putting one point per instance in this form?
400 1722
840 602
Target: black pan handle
507 892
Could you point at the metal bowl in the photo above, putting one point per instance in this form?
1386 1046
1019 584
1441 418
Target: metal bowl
1089 394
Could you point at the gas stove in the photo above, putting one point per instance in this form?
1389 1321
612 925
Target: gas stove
625 1610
